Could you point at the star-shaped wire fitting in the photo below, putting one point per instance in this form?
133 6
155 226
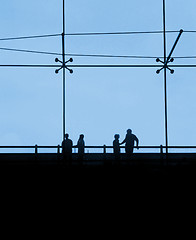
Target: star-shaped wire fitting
169 59
63 65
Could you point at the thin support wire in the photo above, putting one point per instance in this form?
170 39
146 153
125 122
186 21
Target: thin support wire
29 37
91 55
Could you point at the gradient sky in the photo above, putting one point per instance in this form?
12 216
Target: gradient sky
100 102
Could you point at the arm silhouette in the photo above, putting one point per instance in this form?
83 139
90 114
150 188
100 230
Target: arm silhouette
124 141
137 142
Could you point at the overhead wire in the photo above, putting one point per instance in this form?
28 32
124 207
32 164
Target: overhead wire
29 37
189 31
29 51
93 33
91 55
87 34
118 33
73 54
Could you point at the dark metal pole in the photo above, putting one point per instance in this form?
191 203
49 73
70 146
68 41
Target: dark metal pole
179 35
165 76
63 54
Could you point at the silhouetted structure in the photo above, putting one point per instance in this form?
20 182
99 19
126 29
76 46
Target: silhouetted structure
129 142
81 145
67 145
116 146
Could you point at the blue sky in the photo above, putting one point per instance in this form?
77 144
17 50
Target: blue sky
99 102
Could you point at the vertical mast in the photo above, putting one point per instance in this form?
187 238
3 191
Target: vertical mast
165 75
63 55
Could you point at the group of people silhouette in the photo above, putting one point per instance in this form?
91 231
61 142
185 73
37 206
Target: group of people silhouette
129 141
67 146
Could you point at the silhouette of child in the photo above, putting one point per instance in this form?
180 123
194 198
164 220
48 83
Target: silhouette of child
116 145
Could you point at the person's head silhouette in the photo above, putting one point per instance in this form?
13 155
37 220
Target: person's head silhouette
81 136
129 131
66 136
116 136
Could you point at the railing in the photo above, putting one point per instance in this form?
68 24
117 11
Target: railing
104 148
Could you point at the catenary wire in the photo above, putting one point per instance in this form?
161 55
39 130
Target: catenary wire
29 51
86 34
189 31
93 33
118 33
91 55
74 54
29 37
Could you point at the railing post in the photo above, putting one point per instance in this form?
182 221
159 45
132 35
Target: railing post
161 149
58 152
36 151
104 154
161 158
58 149
35 148
104 149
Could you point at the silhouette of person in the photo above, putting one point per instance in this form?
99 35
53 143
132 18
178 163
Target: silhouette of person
129 142
67 145
116 144
81 145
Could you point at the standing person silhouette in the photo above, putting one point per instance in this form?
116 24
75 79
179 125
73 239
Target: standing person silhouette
129 142
81 145
116 146
67 145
